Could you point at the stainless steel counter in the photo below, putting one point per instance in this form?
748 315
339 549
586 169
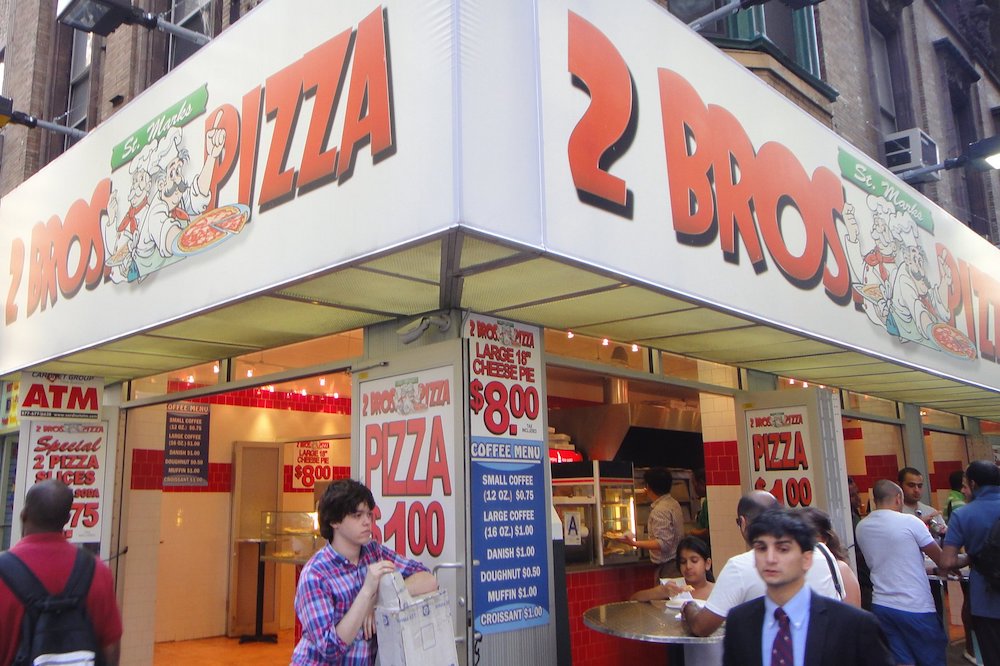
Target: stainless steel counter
644 621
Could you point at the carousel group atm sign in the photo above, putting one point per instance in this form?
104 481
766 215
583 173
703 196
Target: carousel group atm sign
52 396
780 455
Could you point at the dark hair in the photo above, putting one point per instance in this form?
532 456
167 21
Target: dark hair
955 479
984 473
696 545
907 470
820 522
47 505
699 475
783 523
339 499
659 480
755 503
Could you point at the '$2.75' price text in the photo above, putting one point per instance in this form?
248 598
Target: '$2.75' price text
502 404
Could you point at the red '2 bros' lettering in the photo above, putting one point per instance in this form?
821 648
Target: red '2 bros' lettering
720 187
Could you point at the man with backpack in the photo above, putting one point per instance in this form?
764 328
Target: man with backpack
55 562
976 527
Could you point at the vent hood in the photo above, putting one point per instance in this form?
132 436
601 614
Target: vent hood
600 430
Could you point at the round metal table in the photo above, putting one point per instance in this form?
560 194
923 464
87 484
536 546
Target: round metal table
645 621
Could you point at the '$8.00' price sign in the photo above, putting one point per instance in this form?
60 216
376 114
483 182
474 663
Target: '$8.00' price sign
308 475
499 404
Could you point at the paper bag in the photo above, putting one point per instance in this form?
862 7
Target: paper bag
413 631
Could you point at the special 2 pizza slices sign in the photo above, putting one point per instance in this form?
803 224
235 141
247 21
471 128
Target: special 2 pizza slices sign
406 425
780 455
74 453
507 478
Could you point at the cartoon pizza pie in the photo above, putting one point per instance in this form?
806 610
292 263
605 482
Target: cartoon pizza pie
231 218
871 291
198 235
953 341
119 257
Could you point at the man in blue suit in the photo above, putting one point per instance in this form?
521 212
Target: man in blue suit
791 625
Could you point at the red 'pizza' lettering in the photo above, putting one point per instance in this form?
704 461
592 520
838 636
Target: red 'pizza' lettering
318 65
369 112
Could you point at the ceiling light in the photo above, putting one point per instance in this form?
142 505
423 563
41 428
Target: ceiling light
569 334
250 372
215 368
605 342
322 381
635 347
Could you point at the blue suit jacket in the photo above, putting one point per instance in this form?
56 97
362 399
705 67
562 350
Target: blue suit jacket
839 634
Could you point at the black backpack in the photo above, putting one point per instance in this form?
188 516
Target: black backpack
55 628
986 561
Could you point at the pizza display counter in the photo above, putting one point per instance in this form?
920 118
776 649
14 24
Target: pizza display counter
596 502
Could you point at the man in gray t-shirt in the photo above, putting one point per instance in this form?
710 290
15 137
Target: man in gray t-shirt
894 545
912 483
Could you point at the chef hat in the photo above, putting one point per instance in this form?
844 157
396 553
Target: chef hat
902 227
143 160
168 148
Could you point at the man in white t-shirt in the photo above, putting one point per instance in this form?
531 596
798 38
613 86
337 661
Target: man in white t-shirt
739 580
894 544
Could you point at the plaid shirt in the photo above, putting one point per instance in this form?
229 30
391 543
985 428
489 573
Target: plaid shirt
327 587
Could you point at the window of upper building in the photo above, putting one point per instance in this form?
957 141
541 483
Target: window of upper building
889 80
78 101
194 15
787 34
969 187
883 80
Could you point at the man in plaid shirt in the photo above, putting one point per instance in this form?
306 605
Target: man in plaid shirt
338 587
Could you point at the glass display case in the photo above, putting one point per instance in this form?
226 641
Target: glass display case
290 536
595 501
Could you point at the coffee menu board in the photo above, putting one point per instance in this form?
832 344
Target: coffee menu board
185 452
508 510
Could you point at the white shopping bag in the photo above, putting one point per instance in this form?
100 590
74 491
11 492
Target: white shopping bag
413 631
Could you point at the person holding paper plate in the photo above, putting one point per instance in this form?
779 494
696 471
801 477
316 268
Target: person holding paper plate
695 563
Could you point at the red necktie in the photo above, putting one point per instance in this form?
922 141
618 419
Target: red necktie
781 652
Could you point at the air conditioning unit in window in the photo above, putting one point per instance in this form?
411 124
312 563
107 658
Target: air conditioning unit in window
911 149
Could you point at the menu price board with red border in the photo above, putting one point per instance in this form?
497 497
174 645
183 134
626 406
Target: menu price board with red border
406 429
509 514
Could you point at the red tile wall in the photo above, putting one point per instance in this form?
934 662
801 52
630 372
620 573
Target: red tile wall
877 467
338 473
722 463
586 589
147 474
264 399
943 468
853 433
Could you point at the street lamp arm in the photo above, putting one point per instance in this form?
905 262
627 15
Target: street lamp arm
157 22
27 120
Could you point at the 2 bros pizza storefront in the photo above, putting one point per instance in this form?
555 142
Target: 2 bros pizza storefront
401 196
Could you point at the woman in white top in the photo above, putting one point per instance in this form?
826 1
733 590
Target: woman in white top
830 552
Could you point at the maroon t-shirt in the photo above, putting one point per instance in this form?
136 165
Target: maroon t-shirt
50 557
